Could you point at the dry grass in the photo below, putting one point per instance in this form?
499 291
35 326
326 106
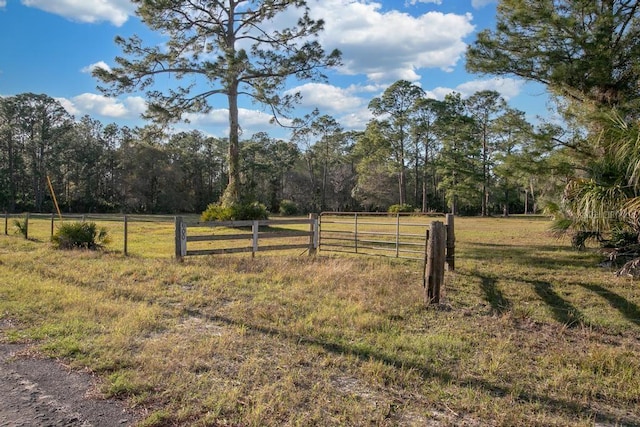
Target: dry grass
531 333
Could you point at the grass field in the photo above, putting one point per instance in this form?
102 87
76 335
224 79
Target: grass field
530 333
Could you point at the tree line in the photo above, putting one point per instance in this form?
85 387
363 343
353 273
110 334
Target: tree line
474 156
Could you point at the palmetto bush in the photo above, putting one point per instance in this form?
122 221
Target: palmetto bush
80 235
608 200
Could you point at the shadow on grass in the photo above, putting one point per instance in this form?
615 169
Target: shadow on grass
561 309
366 354
494 296
628 309
550 257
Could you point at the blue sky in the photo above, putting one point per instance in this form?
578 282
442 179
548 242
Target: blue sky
50 46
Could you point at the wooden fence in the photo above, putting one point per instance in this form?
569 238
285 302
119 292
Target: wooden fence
256 232
413 237
25 220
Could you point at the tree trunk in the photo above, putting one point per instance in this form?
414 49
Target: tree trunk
232 192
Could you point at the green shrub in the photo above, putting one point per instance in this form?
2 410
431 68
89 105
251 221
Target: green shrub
288 208
400 208
80 235
237 212
20 226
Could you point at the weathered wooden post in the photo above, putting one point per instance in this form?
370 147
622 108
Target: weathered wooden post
255 229
181 238
26 226
6 223
434 267
313 237
397 234
355 232
451 244
126 234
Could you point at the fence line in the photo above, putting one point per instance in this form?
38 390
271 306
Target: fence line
350 232
24 219
359 233
366 234
183 237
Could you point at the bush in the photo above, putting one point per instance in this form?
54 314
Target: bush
80 235
288 208
236 212
400 208
21 227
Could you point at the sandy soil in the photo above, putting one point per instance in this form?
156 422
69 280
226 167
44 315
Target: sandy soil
43 392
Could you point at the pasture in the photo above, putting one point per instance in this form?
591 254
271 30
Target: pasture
530 331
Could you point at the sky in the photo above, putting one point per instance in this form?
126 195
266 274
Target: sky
51 46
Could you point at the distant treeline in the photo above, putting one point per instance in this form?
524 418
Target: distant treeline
472 155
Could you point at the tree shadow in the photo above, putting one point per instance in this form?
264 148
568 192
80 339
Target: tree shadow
628 309
494 296
366 354
549 257
561 309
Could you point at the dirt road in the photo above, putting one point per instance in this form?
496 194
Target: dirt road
43 392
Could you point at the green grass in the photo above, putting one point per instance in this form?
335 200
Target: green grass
530 332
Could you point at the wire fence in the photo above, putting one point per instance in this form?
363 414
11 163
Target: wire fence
148 235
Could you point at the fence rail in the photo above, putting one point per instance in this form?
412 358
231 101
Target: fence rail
121 224
412 237
254 231
368 234
432 243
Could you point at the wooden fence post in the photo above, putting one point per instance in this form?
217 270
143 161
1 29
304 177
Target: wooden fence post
355 233
26 226
53 217
6 223
126 234
451 244
255 229
434 274
397 234
313 229
181 238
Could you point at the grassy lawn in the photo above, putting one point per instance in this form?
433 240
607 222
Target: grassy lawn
530 333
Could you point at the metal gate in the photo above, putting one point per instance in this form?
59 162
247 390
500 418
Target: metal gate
397 235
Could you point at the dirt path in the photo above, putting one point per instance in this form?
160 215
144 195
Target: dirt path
43 392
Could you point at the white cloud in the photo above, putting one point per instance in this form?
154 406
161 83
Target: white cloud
356 120
251 121
507 87
100 64
414 2
94 104
478 4
326 97
115 11
69 106
3 3
391 45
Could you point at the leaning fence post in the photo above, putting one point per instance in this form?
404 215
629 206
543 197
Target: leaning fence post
181 238
313 233
451 244
434 274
